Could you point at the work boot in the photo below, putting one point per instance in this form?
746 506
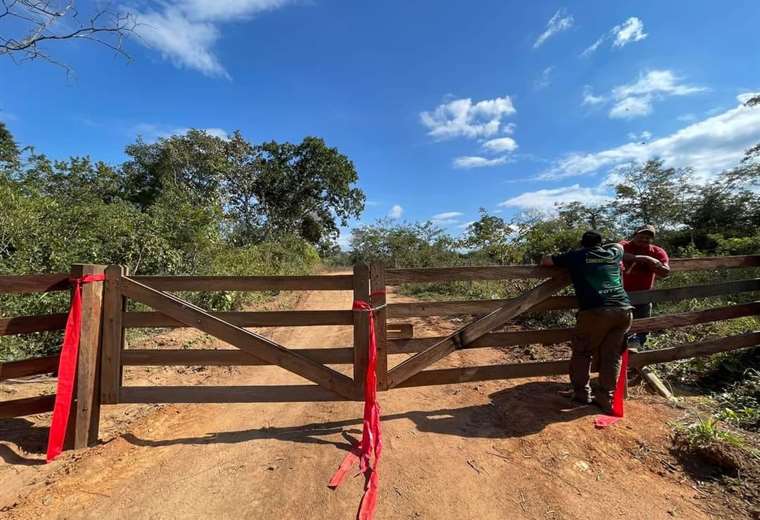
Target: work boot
603 400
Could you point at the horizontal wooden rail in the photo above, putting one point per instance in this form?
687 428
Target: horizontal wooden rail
26 406
449 274
28 367
553 336
34 283
339 282
446 376
226 394
247 319
478 307
29 324
213 357
700 348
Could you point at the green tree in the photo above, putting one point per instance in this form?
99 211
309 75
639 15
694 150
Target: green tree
403 245
650 194
306 189
489 237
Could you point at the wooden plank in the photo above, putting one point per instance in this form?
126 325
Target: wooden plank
443 274
685 319
493 339
226 394
26 406
713 262
553 336
28 324
88 365
400 330
501 272
34 283
475 330
479 307
257 345
136 320
378 299
361 328
689 350
448 376
114 305
213 357
28 367
655 383
340 282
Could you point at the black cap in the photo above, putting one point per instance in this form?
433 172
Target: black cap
591 238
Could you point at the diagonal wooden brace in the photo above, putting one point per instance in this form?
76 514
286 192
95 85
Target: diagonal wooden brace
476 329
259 346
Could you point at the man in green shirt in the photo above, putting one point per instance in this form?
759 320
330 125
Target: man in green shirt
603 319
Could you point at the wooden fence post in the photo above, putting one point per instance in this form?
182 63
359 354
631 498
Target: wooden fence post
361 329
113 335
87 416
378 297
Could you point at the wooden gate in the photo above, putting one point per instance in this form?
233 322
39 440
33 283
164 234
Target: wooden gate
103 353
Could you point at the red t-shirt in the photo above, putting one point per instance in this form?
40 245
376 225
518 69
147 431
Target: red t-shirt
641 278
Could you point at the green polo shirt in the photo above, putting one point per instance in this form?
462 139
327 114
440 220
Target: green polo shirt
596 276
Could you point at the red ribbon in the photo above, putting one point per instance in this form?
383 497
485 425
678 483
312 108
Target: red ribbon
371 441
67 367
603 421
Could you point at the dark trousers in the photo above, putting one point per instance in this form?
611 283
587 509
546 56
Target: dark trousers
643 310
599 333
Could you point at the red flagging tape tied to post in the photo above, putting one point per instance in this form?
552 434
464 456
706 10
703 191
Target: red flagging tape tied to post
67 367
603 421
371 441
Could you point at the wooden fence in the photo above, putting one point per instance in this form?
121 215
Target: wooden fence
104 353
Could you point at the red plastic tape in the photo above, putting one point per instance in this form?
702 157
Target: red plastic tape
67 368
604 421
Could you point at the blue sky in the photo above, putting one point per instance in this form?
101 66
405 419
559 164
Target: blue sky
444 106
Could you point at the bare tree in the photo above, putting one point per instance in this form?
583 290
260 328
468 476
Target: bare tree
28 26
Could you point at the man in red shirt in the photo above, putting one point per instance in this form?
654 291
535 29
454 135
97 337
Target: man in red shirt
640 274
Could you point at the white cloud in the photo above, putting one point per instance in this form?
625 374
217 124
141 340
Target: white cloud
630 107
561 21
447 215
708 146
152 132
545 79
590 99
500 144
687 118
185 31
447 218
395 212
635 99
593 47
632 30
468 162
547 200
656 82
463 118
467 224
643 136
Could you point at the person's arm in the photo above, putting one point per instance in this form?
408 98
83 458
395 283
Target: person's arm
663 270
655 265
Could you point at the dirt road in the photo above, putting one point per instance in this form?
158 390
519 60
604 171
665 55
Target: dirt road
493 450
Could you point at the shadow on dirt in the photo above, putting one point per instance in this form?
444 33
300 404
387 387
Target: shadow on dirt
26 436
513 412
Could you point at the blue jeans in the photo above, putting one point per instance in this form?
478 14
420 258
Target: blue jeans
643 310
